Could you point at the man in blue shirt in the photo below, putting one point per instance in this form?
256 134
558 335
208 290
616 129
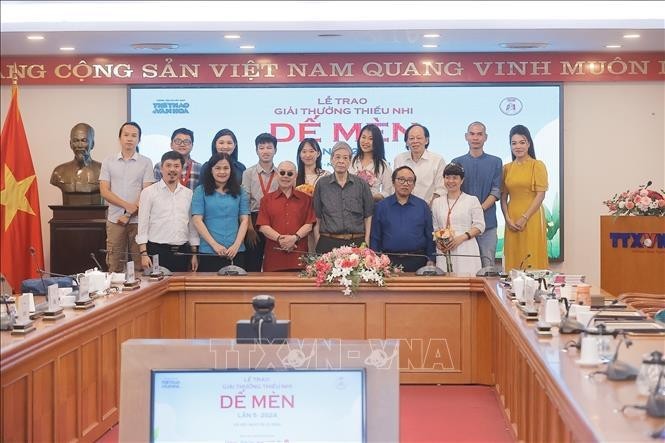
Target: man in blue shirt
482 178
402 225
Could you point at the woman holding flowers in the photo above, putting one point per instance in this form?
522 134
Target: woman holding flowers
522 193
457 219
370 164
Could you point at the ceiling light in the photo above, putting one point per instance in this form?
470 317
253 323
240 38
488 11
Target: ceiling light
35 37
329 35
67 48
430 46
612 46
155 46
524 45
631 36
431 36
232 36
246 46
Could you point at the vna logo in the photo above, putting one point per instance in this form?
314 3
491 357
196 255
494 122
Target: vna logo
636 240
170 106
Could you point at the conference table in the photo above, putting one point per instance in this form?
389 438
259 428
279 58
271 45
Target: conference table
61 382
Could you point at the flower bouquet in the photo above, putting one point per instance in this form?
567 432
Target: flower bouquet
442 237
306 188
641 201
348 266
367 176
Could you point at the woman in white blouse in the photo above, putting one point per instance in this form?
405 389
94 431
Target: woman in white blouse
370 164
462 216
309 163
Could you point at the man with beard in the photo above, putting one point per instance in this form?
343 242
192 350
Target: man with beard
79 179
165 221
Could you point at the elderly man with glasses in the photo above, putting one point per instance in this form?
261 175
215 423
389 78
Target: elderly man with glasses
285 218
182 142
402 225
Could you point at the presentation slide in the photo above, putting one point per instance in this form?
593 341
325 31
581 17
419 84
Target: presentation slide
333 113
258 406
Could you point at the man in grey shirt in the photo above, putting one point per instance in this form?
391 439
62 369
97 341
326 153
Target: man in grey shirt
343 205
122 178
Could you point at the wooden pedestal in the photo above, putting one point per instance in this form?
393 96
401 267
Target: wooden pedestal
76 231
632 254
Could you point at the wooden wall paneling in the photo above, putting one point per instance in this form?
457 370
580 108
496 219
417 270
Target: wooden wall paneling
68 377
43 402
343 321
483 340
90 388
433 336
216 319
109 369
16 409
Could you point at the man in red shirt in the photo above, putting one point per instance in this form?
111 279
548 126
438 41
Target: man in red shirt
286 217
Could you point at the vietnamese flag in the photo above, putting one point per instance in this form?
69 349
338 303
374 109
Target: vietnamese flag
22 251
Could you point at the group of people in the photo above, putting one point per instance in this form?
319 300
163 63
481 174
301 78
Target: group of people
265 217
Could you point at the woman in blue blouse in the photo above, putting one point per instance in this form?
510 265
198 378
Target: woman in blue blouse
225 141
220 213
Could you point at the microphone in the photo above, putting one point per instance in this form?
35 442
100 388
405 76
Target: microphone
94 258
618 370
568 325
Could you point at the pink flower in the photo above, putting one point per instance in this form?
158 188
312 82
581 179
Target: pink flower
367 176
661 203
630 205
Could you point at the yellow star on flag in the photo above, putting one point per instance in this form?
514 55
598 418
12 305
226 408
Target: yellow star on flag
13 197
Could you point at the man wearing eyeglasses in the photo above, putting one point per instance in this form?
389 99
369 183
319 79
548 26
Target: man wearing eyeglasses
285 218
402 225
182 141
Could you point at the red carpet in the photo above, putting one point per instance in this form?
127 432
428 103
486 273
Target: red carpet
451 414
439 414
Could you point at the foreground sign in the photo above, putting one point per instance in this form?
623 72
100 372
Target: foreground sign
335 68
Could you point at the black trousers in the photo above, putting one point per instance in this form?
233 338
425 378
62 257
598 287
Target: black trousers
327 244
174 263
408 262
211 263
254 254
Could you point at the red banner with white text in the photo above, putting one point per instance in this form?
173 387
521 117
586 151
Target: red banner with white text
334 68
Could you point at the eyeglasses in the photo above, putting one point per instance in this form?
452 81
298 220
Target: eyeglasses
405 181
181 142
289 173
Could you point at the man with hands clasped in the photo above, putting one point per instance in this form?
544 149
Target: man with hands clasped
286 217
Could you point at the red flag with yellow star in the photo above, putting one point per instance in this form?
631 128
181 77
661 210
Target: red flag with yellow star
19 208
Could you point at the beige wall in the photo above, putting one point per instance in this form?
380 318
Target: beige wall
614 139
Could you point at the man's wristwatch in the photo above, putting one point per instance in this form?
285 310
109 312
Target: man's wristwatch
468 235
297 236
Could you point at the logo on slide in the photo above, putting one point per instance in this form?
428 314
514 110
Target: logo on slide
511 106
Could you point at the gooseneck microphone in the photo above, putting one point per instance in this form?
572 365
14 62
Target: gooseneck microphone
94 258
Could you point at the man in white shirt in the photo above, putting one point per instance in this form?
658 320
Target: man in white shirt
165 219
428 166
259 180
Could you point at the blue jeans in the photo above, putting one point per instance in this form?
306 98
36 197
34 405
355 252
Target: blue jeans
487 245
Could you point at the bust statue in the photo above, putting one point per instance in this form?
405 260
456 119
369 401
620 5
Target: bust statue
79 179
